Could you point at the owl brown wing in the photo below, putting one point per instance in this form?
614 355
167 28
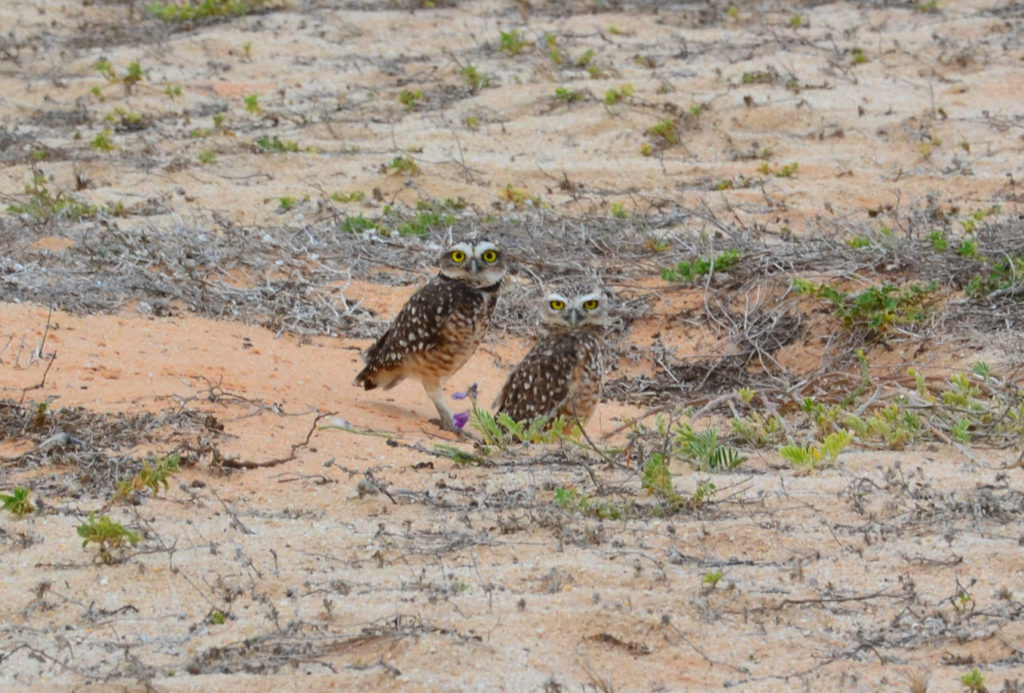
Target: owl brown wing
421 325
540 384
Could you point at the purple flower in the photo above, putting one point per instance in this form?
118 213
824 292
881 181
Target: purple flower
460 419
470 392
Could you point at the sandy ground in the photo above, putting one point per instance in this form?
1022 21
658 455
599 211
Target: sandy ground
352 555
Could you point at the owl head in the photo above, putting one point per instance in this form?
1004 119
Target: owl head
574 309
478 262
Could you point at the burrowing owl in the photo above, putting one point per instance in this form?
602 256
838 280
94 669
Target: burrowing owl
563 371
441 326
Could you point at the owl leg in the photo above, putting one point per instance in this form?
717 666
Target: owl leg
436 394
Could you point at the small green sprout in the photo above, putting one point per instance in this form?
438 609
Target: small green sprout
252 103
666 130
410 99
710 580
568 95
107 534
812 455
18 501
102 141
512 43
690 271
974 681
476 79
403 164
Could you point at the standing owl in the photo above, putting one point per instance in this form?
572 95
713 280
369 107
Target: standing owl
562 373
440 326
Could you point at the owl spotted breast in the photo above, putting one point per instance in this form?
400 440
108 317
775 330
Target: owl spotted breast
563 372
440 326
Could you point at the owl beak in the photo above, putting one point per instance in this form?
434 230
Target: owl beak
474 266
575 317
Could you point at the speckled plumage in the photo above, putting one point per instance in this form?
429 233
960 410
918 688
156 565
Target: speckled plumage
440 326
562 374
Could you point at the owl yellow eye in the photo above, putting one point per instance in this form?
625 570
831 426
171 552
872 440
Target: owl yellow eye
458 256
591 304
558 305
490 255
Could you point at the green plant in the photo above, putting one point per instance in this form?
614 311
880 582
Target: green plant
409 99
571 500
354 196
207 156
710 580
646 149
501 431
553 52
968 248
857 56
974 681
758 77
787 171
666 130
960 431
759 430
703 450
252 103
218 617
18 501
729 184
519 196
795 21
107 534
403 164
476 79
893 424
657 480
275 144
192 10
151 477
130 120
134 75
472 122
102 141
357 224
689 271
568 95
877 308
104 67
512 43
42 205
424 222
812 455
618 210
585 58
1006 273
613 95
286 203
938 240
704 492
